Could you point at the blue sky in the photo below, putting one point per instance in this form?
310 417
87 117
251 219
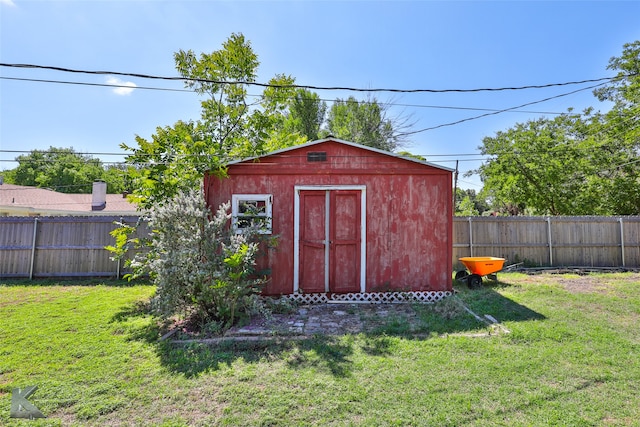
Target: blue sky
363 44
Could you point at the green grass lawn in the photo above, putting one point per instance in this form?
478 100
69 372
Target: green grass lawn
572 358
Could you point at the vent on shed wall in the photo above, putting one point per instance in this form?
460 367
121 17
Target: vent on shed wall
317 156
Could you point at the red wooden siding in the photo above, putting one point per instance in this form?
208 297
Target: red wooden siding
408 217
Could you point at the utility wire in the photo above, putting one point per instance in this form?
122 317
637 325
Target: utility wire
491 113
96 84
295 86
457 122
442 107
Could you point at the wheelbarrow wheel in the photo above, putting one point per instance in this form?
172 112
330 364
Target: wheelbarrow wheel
461 275
474 281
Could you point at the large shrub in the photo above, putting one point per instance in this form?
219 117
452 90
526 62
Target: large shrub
200 265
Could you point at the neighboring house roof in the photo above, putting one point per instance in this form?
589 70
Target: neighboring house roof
340 141
23 200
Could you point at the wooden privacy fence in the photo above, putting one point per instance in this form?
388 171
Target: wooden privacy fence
69 246
59 246
591 241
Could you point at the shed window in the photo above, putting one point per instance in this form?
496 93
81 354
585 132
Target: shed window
251 211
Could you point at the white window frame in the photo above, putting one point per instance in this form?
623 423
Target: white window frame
236 199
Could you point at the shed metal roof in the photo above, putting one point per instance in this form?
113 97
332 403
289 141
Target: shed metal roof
340 141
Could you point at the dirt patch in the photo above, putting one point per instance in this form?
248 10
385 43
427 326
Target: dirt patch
333 319
585 283
42 296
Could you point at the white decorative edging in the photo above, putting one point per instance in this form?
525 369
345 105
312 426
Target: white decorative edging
371 297
320 298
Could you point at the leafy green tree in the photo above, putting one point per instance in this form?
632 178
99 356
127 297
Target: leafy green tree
619 131
306 114
230 127
63 170
466 207
623 90
173 160
543 165
117 178
573 164
469 203
363 122
278 105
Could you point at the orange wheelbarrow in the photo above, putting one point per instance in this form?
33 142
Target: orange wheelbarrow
478 267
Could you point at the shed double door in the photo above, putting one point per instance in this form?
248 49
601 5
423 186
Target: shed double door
330 241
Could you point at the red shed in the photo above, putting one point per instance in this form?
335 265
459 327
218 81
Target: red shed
349 218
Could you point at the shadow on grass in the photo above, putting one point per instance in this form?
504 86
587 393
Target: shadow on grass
136 309
378 346
332 353
487 300
322 352
148 331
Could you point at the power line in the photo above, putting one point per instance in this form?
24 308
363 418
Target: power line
457 122
313 87
96 84
441 107
470 183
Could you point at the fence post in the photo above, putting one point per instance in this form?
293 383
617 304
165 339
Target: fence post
33 247
470 238
550 245
622 241
118 258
